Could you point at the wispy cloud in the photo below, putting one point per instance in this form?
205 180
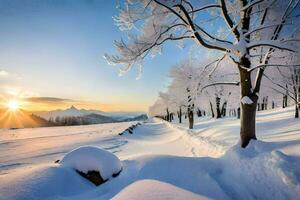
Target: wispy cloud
3 73
48 100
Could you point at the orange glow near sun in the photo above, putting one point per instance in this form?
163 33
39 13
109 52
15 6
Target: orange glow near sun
13 105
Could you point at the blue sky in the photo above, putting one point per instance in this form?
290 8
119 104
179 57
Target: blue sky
55 49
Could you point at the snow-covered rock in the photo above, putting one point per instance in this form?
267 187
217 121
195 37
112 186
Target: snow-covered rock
89 158
155 190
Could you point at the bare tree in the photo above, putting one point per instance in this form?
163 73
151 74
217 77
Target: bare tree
254 30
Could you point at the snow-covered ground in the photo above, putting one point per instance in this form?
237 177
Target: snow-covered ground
159 160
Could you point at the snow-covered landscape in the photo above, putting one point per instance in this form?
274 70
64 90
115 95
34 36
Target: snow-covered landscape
160 159
149 99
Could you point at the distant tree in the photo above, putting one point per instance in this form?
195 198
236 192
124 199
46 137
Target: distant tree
57 120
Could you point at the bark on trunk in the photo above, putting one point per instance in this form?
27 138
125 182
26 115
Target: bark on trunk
248 110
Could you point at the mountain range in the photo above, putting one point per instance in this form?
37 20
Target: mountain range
74 112
74 116
69 112
67 117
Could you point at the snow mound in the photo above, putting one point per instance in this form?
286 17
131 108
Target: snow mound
262 169
246 100
89 158
155 190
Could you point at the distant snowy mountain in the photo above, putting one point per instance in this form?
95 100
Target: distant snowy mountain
83 116
70 112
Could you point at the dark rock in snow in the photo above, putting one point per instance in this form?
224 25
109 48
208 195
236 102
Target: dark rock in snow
93 176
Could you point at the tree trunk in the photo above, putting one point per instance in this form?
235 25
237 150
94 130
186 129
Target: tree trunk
218 101
199 114
191 119
266 103
296 111
223 111
168 115
248 110
171 117
296 102
180 115
212 110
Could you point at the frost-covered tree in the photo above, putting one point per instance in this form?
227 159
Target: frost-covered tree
159 109
185 80
286 81
169 102
178 101
252 31
220 85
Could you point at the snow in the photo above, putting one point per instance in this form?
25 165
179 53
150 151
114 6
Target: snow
159 158
154 190
89 158
246 100
42 182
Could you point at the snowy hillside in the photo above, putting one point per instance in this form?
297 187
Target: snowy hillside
158 158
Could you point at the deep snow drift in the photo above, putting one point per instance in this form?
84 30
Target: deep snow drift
204 163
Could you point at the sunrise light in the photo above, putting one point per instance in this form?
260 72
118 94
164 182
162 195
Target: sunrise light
13 105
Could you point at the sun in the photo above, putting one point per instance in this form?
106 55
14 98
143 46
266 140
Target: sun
13 105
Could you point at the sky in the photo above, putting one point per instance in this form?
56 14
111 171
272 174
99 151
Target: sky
51 56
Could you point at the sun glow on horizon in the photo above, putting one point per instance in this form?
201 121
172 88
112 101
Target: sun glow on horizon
13 105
